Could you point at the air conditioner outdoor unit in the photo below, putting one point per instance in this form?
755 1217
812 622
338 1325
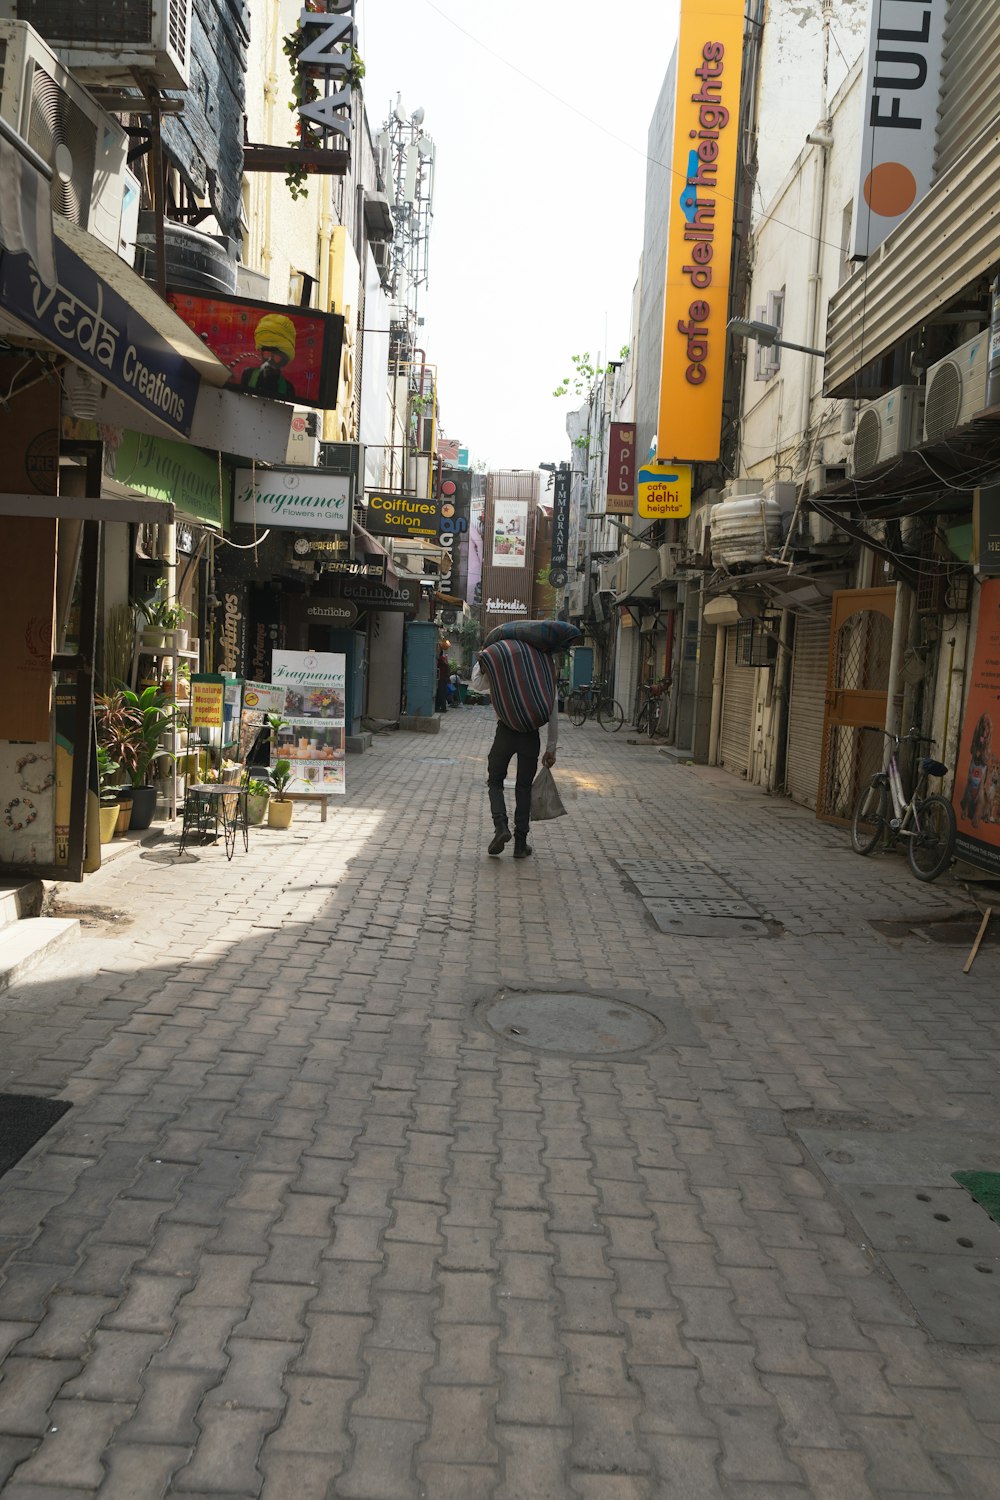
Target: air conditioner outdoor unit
86 148
105 45
956 388
887 427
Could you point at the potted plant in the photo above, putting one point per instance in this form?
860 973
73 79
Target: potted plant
258 795
130 726
279 807
107 771
164 620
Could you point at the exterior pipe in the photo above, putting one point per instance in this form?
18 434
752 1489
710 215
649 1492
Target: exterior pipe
779 709
718 677
900 629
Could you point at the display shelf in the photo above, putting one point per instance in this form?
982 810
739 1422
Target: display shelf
172 739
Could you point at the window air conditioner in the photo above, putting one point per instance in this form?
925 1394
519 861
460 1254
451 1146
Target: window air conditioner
105 44
886 428
956 387
86 148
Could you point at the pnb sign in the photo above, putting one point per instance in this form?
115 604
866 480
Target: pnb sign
700 237
901 88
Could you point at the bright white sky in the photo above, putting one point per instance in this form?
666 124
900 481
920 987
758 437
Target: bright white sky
538 212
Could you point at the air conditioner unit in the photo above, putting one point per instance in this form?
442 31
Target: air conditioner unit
887 427
956 388
86 148
106 45
638 570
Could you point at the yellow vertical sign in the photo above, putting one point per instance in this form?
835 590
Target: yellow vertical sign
700 236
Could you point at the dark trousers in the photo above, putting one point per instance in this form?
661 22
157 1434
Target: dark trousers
506 744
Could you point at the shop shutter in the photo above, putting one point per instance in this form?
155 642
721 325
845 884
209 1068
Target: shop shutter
970 78
806 707
737 709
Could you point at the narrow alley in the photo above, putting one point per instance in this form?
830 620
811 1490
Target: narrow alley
320 1222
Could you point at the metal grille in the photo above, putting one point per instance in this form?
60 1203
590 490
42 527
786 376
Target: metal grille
854 754
867 441
737 709
806 706
864 644
944 400
90 22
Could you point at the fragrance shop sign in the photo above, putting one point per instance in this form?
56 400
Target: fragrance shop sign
308 499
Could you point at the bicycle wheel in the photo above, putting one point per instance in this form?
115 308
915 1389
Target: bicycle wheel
869 820
578 712
610 715
931 849
645 721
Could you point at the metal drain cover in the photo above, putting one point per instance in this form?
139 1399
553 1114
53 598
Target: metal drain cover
575 1024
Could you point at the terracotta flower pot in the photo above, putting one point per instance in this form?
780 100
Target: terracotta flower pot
279 814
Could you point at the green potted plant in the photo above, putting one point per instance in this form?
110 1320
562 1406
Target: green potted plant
165 621
279 807
108 771
130 726
258 795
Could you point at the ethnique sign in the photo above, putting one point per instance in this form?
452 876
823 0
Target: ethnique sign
900 94
367 594
303 498
699 245
283 353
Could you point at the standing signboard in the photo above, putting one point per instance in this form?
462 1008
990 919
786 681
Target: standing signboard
976 797
313 736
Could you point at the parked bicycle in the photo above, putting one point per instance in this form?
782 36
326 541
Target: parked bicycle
650 708
883 813
593 701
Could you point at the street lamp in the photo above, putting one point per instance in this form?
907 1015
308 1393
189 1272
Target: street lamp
767 335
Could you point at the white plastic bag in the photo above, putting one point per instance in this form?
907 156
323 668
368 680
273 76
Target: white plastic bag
545 799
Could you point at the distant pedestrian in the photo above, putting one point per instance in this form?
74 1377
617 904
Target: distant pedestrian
443 678
519 676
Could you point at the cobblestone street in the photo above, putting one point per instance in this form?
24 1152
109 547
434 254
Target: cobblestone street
313 1228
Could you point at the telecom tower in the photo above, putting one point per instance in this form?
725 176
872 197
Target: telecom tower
406 156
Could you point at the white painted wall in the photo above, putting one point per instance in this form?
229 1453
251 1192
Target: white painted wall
791 99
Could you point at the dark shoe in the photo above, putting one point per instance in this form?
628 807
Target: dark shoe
500 838
521 846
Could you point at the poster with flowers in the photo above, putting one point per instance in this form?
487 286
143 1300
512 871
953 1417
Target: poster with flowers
313 735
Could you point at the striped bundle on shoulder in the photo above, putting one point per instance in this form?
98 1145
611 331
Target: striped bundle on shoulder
522 683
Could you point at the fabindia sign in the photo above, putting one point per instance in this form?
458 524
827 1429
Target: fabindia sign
303 498
699 245
899 132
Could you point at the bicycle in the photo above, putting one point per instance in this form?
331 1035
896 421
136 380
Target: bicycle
592 700
651 706
926 823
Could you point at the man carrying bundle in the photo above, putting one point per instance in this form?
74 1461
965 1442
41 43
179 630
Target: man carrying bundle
517 669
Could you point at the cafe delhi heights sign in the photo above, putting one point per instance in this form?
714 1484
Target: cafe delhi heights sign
699 244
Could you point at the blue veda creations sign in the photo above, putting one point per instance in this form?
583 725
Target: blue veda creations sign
87 319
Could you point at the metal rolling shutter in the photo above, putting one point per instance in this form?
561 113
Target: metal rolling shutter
737 709
806 705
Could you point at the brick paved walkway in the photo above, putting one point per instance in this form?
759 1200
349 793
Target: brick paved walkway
312 1230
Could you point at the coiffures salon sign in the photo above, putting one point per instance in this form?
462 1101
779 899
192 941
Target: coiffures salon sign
303 498
403 516
699 245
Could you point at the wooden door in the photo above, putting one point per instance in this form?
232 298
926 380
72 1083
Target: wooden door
857 686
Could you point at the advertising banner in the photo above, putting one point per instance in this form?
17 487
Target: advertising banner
207 706
621 470
366 593
699 244
900 96
664 492
510 533
454 500
976 797
313 738
402 516
284 353
986 530
303 498
559 562
88 320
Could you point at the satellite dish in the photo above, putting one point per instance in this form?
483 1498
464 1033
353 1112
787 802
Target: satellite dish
418 115
399 111
425 146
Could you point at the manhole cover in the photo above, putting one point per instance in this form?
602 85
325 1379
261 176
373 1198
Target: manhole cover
575 1024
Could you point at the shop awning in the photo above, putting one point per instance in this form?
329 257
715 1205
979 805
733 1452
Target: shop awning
118 504
365 545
